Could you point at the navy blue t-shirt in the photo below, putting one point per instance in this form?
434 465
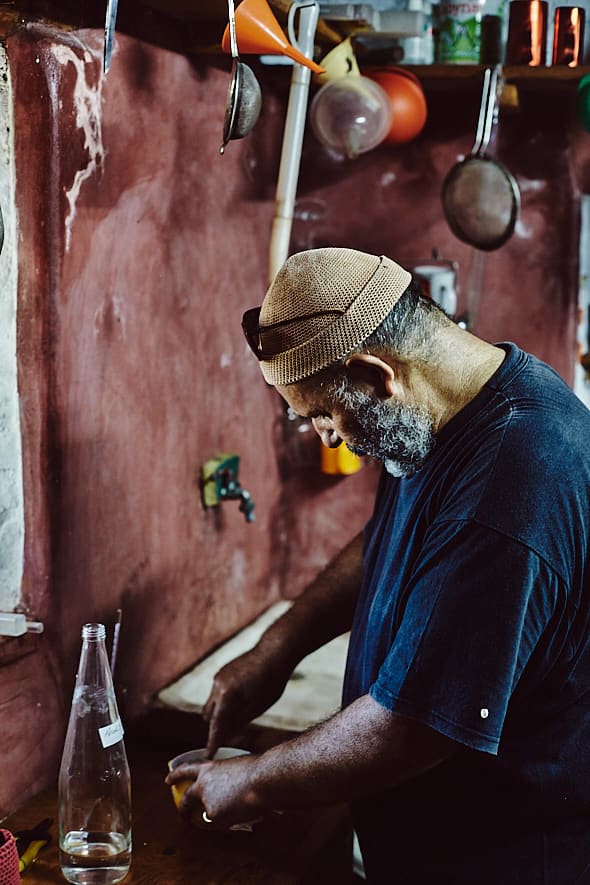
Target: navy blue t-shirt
474 618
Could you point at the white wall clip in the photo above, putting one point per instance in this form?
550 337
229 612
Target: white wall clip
16 624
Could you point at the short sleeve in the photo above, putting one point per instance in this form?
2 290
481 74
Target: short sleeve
470 621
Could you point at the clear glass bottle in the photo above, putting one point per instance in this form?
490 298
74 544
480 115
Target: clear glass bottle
94 779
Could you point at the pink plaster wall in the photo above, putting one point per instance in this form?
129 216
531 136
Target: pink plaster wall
140 247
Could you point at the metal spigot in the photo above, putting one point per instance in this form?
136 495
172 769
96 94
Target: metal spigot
220 483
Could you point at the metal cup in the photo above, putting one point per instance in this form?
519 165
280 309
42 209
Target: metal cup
568 36
527 33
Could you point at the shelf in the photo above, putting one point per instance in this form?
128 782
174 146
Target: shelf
542 78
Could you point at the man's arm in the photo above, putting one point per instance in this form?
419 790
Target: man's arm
324 610
364 749
250 684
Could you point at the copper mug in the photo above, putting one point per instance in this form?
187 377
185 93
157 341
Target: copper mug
527 33
568 36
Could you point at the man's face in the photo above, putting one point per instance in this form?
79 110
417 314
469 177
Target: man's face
399 435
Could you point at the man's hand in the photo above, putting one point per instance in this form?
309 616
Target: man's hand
241 691
365 749
221 789
249 685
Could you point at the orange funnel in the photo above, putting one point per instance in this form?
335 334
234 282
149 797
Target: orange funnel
259 33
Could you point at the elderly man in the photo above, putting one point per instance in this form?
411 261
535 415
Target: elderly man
463 743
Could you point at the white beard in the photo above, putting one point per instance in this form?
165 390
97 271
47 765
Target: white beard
400 436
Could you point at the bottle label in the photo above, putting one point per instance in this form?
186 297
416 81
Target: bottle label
111 734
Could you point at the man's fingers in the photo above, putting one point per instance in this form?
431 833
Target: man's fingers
189 802
215 734
209 708
189 771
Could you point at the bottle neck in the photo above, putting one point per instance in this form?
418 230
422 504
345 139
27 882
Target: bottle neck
93 632
93 668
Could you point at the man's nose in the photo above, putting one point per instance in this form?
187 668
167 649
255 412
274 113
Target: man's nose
325 430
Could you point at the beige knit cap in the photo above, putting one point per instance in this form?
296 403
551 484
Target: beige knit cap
321 305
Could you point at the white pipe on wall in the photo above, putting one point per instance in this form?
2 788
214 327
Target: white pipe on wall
12 518
292 137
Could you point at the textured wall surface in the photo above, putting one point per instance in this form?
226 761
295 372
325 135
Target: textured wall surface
11 487
139 248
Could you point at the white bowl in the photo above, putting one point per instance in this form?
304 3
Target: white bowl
178 790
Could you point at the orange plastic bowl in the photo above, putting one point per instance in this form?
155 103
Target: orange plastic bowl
407 102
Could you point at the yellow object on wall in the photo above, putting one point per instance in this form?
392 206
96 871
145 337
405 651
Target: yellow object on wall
340 460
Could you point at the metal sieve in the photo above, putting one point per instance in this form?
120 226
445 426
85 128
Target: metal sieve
480 197
244 99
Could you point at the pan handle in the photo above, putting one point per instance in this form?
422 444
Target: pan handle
232 29
487 110
492 104
482 112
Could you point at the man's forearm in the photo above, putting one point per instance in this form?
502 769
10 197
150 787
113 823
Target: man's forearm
364 749
324 610
361 751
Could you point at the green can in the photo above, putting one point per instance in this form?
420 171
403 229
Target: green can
457 32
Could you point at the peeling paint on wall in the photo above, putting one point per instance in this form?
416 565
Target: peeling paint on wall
87 104
11 482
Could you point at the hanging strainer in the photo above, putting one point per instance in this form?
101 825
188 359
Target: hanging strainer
480 197
244 99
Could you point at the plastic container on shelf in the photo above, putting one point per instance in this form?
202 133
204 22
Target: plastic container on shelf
457 31
419 49
407 99
495 31
339 461
404 19
351 115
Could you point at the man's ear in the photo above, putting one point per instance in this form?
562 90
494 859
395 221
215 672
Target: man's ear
367 370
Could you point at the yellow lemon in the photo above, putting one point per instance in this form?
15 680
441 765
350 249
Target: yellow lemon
178 791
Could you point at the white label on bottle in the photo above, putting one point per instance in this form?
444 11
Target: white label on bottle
111 734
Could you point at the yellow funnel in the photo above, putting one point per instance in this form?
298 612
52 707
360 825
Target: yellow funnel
339 62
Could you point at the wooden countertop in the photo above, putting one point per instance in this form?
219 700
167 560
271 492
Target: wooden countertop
303 847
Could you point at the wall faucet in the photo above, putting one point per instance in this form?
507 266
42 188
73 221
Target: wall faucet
219 482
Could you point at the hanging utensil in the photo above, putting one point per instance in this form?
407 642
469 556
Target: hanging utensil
480 197
115 646
280 238
109 33
244 99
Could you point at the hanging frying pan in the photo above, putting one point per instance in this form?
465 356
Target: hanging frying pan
480 197
244 99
